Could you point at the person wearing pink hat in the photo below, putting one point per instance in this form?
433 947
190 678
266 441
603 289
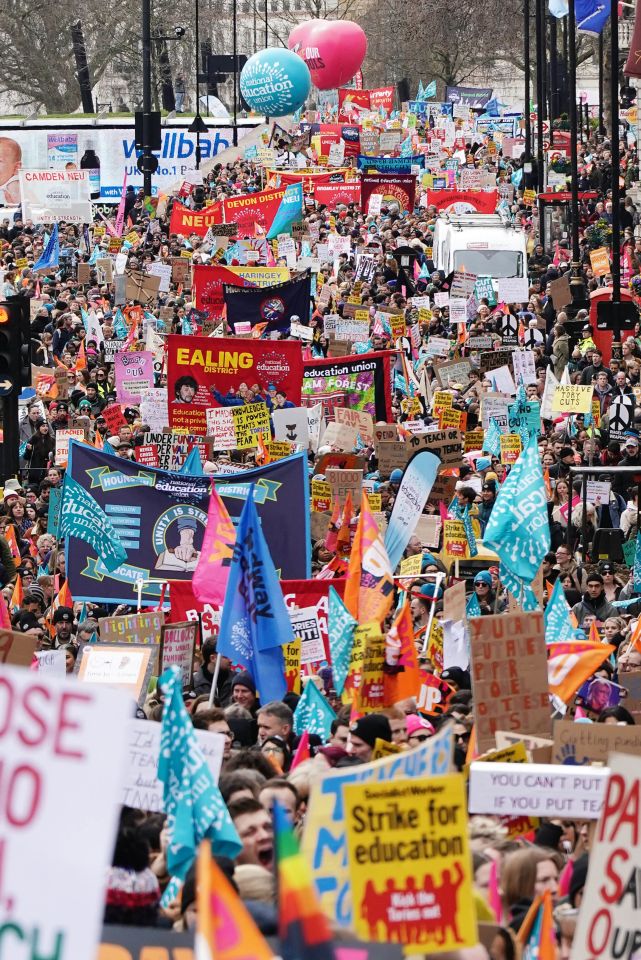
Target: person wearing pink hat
418 730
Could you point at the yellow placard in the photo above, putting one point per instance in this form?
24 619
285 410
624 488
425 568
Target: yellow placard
474 439
572 398
375 502
511 446
454 540
435 645
411 566
321 496
384 749
291 655
250 420
409 862
278 449
600 261
442 400
452 419
186 254
529 197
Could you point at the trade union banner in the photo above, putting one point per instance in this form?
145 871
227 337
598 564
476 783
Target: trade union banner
253 208
275 306
161 519
186 221
331 194
208 280
463 201
203 373
361 383
398 190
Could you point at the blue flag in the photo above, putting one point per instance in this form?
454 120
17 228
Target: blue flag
255 623
492 442
418 480
558 628
430 90
591 15
81 516
51 254
193 803
340 627
469 532
290 211
421 91
193 464
95 254
518 529
313 713
121 329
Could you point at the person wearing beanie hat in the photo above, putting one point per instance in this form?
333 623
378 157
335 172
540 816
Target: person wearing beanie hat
418 729
243 690
63 625
483 463
133 893
364 733
457 678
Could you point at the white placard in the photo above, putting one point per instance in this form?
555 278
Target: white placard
523 364
62 748
598 490
315 422
301 332
337 244
513 290
537 790
162 270
375 204
220 427
291 423
305 625
141 788
53 662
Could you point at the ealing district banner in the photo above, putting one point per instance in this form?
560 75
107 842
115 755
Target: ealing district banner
207 372
161 519
362 383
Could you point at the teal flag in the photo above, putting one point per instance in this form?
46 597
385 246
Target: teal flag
313 713
193 803
518 529
82 517
193 465
340 627
636 570
558 628
492 442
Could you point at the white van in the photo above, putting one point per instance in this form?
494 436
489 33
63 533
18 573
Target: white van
480 243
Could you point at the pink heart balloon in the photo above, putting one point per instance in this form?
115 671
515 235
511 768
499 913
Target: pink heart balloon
332 49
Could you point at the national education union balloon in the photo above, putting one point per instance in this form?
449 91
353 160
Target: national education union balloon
275 82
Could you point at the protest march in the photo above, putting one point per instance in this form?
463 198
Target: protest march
320 554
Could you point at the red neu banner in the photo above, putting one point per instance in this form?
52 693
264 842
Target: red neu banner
186 221
205 372
331 194
463 201
397 189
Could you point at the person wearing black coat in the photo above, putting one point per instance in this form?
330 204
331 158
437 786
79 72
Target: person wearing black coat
39 451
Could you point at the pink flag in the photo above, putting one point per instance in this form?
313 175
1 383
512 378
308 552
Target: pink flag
211 574
442 509
302 750
493 893
5 620
120 216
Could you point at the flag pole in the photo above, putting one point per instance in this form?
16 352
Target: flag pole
214 682
428 629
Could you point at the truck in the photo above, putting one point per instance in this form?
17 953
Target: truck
485 244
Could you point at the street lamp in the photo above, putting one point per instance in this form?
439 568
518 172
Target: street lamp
577 287
197 125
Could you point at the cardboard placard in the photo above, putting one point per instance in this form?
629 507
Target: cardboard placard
139 628
125 665
342 481
509 676
177 645
454 601
141 286
17 649
585 743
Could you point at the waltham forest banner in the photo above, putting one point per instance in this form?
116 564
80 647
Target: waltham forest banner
161 519
203 373
362 383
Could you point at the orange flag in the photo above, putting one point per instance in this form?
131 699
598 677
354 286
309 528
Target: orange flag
571 663
226 930
17 595
635 639
406 683
10 537
331 537
594 636
539 937
343 536
81 359
369 592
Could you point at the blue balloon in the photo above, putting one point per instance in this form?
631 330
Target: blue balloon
275 82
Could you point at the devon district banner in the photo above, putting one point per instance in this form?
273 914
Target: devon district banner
161 518
203 373
362 383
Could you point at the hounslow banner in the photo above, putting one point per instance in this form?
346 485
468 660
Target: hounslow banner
161 517
362 382
205 372
275 306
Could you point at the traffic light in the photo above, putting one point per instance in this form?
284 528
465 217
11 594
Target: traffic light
15 346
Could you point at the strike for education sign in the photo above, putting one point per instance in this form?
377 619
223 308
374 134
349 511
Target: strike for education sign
62 745
609 924
409 862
